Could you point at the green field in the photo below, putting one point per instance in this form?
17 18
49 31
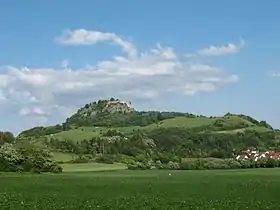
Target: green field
256 189
81 167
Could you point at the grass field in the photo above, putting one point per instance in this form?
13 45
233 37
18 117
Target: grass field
205 190
82 167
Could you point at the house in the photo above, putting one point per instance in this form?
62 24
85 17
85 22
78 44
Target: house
256 155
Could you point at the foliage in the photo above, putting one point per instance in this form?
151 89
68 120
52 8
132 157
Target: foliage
214 163
26 159
41 131
6 137
105 159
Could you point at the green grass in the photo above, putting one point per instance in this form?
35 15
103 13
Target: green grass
81 167
62 157
253 128
78 134
205 190
182 122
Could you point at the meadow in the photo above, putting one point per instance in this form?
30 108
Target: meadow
256 189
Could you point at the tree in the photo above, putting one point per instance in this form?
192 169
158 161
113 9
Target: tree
6 137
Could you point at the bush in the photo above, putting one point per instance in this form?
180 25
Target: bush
209 163
27 159
158 164
136 166
173 165
247 164
188 165
149 164
56 169
232 164
109 159
271 163
82 159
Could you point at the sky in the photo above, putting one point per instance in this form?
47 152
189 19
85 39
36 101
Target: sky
198 56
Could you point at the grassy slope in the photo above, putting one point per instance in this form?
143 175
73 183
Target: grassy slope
256 189
82 133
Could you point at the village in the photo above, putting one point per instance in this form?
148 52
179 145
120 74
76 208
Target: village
256 155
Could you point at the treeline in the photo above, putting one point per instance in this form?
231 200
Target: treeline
134 118
190 143
168 143
261 123
42 131
6 137
26 159
204 164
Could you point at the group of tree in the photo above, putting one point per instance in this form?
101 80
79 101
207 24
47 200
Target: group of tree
165 144
26 158
6 137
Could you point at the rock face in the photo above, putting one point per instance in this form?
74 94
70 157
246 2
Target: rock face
118 106
93 112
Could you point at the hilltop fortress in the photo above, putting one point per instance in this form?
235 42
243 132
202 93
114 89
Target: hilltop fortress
118 106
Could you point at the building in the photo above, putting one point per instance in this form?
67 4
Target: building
256 155
118 106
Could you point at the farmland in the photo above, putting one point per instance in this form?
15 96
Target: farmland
123 189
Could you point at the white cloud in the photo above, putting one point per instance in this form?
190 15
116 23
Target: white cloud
49 93
222 49
84 37
33 111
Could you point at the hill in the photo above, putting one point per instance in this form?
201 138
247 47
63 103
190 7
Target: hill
113 131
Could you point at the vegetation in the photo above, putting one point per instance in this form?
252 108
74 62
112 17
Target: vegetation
247 189
146 140
27 159
86 167
165 143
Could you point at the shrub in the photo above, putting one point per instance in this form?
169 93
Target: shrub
246 164
173 165
158 164
232 164
26 159
136 166
188 165
82 159
56 169
105 159
209 163
271 163
149 164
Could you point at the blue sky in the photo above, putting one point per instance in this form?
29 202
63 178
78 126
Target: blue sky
207 57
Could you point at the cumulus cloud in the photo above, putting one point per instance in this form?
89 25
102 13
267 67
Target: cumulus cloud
222 49
33 111
48 92
85 37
